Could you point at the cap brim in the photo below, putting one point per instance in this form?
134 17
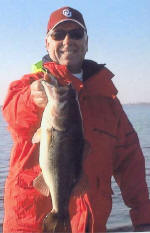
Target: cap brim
65 20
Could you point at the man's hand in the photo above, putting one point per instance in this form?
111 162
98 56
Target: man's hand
38 94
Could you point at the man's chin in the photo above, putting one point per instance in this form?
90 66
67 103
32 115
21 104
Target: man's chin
68 63
72 65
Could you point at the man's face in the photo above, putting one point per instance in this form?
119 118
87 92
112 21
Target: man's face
68 51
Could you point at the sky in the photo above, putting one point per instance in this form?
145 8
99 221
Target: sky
118 31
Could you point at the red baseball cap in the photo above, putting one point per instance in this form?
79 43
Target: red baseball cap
65 14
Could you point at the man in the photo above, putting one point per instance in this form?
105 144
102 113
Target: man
115 148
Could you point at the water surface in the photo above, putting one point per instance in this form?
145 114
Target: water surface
119 220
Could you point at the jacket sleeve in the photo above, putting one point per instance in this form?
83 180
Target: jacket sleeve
129 171
19 110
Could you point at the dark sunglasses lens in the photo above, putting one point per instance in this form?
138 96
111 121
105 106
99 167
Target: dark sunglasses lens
75 34
58 35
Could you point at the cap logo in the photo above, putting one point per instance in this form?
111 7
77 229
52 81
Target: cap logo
67 13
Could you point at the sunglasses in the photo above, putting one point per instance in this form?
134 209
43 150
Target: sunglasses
74 34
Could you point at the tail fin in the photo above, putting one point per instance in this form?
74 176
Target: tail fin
54 224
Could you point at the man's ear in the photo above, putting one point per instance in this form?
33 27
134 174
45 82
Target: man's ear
86 47
46 42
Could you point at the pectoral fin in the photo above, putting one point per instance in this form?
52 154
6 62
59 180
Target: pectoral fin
40 185
36 137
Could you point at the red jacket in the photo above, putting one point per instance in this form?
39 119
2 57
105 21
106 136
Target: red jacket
115 150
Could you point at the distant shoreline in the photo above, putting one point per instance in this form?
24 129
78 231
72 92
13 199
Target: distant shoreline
138 103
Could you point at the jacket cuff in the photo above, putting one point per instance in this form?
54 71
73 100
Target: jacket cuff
142 228
140 215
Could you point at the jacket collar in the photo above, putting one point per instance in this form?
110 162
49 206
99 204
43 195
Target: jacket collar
96 78
89 67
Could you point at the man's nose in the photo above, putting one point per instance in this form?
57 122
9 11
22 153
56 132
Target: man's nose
67 39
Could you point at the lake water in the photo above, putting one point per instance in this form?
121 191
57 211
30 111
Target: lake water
119 220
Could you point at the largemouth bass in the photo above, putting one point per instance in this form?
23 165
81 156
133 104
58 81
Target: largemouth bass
61 151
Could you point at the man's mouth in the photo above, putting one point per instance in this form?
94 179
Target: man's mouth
68 52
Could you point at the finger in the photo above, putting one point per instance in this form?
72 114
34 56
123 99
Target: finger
40 102
47 77
37 86
40 94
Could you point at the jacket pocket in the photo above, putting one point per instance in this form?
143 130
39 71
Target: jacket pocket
106 192
104 188
104 131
